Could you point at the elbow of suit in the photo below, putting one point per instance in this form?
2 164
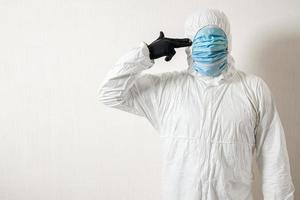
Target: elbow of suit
109 98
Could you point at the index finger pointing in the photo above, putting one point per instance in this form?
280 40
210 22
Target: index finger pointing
185 42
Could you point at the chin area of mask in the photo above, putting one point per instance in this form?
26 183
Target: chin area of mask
209 51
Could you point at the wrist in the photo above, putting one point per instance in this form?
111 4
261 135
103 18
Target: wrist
150 51
145 51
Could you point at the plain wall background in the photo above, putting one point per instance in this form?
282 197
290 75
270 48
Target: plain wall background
58 143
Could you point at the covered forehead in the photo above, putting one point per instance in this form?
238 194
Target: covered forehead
210 30
200 19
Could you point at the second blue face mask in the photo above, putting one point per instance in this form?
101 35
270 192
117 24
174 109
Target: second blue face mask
209 51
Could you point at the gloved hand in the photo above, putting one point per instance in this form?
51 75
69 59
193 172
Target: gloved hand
163 46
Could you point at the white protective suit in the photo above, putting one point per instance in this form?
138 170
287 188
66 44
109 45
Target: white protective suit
209 127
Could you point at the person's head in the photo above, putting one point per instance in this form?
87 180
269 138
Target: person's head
209 31
200 19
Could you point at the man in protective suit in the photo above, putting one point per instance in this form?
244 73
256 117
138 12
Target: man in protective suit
210 116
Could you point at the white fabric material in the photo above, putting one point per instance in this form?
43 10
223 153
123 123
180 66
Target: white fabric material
209 128
206 17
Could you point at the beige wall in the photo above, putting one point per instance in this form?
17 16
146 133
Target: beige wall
58 143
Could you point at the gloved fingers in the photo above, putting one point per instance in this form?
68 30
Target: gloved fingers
170 55
161 35
177 43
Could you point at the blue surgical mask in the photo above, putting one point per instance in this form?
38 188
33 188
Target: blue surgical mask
209 51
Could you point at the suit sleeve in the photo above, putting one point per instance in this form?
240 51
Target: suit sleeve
126 88
271 151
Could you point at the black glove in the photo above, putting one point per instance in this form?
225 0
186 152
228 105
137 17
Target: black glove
163 46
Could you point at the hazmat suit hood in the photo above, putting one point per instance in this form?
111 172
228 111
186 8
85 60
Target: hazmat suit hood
199 20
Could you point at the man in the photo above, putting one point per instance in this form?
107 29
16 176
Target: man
210 116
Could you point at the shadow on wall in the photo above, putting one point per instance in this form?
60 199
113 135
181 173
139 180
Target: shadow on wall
278 63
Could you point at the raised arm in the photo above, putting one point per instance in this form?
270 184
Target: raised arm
126 88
